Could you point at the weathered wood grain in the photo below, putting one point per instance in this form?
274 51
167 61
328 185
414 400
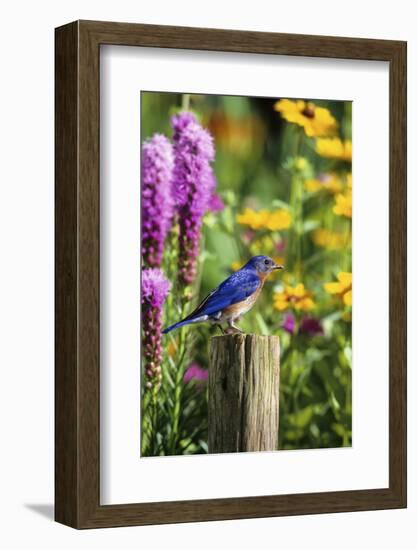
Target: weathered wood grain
243 393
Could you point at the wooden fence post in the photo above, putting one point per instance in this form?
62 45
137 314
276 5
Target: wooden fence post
243 393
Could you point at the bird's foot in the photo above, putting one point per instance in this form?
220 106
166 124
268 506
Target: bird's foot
233 330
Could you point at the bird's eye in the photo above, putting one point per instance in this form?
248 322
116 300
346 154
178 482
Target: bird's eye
266 262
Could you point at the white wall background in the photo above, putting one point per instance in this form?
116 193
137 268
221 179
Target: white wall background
26 273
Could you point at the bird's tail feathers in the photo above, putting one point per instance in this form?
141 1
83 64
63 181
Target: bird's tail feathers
183 323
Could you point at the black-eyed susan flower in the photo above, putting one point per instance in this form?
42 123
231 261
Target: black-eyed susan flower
331 240
316 121
324 182
294 297
343 204
342 288
334 148
265 219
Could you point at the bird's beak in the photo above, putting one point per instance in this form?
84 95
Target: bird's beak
278 266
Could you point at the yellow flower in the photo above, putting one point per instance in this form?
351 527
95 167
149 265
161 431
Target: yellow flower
343 204
172 347
294 297
330 239
327 182
316 121
334 148
342 288
262 244
279 219
236 265
264 219
349 180
300 163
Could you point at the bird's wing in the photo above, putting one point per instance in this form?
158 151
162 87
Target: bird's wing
233 290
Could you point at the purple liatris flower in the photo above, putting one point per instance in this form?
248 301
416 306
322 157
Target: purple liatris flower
288 323
195 372
193 186
157 200
215 203
155 288
310 326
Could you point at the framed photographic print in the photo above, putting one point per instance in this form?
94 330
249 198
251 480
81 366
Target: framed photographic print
230 274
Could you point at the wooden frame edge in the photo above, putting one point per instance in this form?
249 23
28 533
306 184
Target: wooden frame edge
66 275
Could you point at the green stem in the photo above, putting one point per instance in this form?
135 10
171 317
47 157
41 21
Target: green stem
178 384
147 425
184 346
299 227
176 412
154 421
186 98
296 203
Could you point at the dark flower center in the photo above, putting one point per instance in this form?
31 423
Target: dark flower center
308 111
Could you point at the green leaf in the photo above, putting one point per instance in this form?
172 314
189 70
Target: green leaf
301 418
334 402
278 203
262 325
309 225
338 429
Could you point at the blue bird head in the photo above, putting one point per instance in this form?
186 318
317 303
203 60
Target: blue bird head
263 265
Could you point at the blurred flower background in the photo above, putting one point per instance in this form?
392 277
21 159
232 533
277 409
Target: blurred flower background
225 178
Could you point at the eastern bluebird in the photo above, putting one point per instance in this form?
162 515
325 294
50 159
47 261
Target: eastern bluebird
234 297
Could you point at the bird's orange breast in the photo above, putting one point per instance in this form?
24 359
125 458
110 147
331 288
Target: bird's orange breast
240 308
